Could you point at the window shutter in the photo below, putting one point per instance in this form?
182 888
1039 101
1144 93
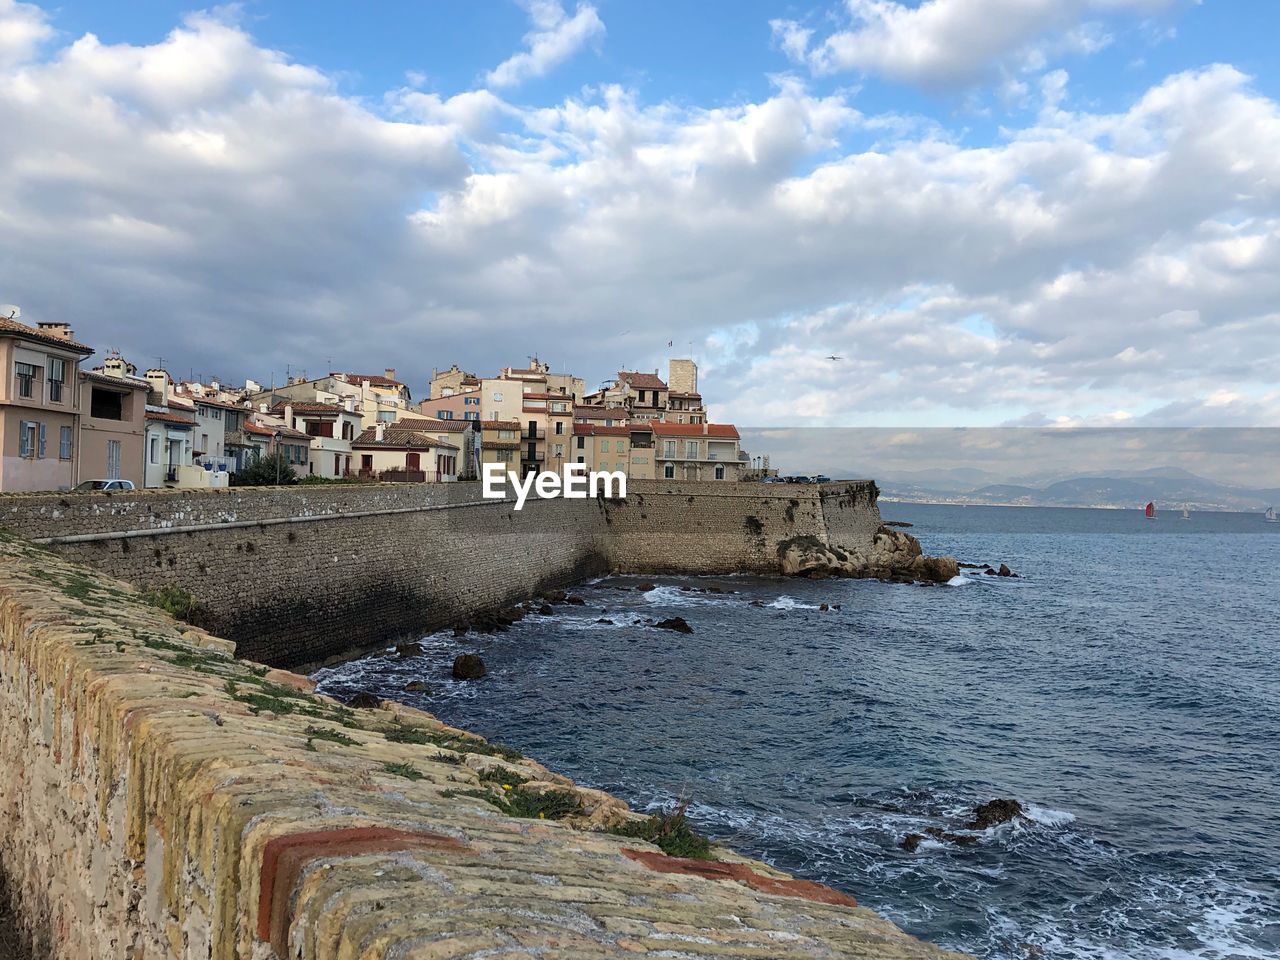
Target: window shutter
24 447
41 453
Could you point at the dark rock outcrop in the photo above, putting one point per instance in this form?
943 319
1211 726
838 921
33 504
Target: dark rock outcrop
895 557
410 649
678 624
417 686
994 812
364 701
468 666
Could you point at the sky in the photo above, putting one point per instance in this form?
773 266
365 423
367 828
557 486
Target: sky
997 212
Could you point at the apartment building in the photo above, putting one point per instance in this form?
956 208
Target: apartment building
331 427
413 451
455 406
39 404
446 383
500 444
112 428
705 451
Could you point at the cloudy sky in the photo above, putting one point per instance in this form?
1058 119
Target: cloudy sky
997 211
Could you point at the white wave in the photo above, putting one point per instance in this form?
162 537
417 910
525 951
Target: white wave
1047 816
667 596
791 603
958 581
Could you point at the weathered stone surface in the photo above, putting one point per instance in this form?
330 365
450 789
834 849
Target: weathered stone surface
994 812
678 624
893 555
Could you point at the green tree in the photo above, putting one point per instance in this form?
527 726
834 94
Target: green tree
263 472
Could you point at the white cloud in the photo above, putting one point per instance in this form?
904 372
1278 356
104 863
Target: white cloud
210 200
23 27
942 43
555 38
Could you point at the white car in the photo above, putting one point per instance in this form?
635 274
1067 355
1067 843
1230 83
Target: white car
103 486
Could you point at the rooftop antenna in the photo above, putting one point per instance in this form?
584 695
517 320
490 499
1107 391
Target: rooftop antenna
10 311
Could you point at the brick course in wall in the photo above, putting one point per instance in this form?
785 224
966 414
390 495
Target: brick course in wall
303 575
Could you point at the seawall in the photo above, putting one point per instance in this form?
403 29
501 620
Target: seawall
301 575
163 799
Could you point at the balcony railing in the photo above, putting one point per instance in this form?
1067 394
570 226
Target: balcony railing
535 434
537 456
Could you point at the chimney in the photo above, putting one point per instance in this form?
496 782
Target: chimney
349 404
288 417
159 381
262 408
380 431
59 331
390 372
114 366
705 431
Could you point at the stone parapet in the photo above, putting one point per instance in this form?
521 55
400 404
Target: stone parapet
164 800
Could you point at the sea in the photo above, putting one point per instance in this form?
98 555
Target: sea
1124 687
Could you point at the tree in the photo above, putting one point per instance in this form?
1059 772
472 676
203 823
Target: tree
263 471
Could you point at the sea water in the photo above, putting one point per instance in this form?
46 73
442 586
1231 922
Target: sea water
1125 688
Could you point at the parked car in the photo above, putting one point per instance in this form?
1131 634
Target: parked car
822 478
103 486
773 480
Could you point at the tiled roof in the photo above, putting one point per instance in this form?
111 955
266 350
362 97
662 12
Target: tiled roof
502 445
716 431
134 383
19 329
399 439
306 406
499 424
431 425
599 429
375 379
642 381
173 418
264 430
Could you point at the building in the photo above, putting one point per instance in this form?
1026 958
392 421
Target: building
455 406
266 436
446 383
414 451
112 431
621 447
170 450
331 427
39 404
378 398
500 444
687 451
547 419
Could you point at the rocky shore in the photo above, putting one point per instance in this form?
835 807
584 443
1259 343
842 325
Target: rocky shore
894 556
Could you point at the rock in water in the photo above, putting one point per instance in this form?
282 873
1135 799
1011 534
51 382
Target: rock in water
1005 571
646 587
546 610
678 624
911 841
417 686
410 649
364 701
994 812
468 666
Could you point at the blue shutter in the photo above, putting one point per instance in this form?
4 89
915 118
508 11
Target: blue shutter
41 453
24 448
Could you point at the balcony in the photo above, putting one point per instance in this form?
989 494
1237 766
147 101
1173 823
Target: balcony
531 434
536 456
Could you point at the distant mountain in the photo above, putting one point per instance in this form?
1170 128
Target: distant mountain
1167 487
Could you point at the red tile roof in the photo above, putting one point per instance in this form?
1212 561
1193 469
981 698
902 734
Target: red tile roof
714 431
399 440
499 424
599 429
306 406
432 426
375 379
19 329
131 382
173 418
265 430
642 381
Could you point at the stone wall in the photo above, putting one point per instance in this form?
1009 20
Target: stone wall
164 800
303 575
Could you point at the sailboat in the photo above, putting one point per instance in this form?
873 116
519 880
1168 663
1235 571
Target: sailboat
1150 511
1270 515
1186 514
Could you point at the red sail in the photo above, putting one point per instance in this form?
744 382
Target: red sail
1151 509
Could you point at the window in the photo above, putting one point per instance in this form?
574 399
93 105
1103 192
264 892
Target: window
233 421
106 404
691 449
639 460
620 468
113 459
582 459
217 414
669 470
444 414
30 439
719 471
497 398
155 450
506 434
641 396
471 415
669 448
622 446
559 428
320 428
604 445
26 374
559 451
204 443
504 456
57 377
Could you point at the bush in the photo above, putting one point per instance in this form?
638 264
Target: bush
671 833
175 601
262 473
